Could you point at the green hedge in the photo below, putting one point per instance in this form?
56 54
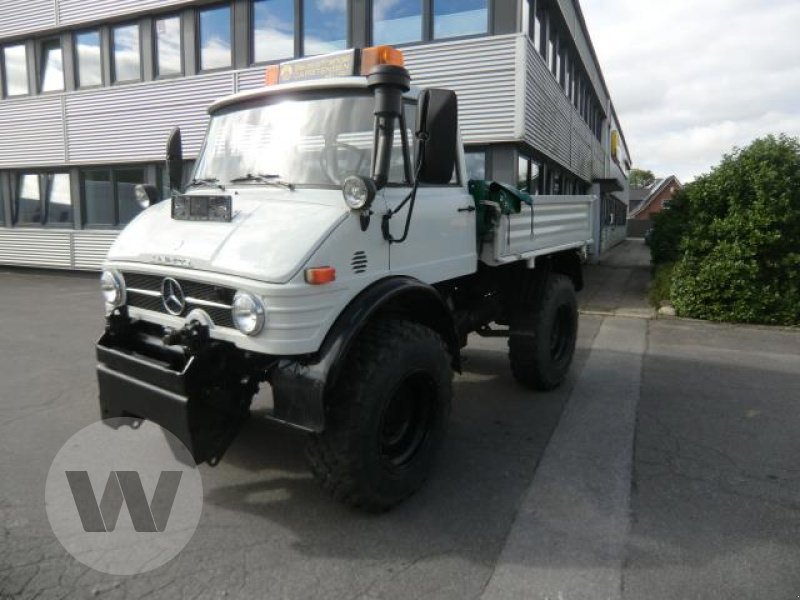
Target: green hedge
734 236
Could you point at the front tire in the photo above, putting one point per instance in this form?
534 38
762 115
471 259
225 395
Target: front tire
543 332
386 416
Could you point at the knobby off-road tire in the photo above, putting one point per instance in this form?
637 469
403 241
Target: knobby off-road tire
386 416
543 330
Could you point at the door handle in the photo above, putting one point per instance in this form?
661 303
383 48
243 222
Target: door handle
469 208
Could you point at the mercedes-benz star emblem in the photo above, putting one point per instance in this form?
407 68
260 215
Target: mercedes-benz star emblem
172 296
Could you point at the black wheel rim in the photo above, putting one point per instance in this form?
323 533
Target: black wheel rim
407 420
561 335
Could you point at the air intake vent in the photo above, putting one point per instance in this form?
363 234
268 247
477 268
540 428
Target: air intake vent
359 262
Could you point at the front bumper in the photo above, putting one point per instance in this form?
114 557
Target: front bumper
170 390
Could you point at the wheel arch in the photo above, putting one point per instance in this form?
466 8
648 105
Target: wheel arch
401 296
300 386
568 263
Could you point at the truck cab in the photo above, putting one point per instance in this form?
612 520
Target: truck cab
329 245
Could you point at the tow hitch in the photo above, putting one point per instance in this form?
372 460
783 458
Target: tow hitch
199 390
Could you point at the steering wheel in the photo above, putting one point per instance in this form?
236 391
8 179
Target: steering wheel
332 165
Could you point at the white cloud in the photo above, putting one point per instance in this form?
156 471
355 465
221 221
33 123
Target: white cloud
690 79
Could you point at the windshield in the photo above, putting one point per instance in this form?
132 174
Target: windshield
303 141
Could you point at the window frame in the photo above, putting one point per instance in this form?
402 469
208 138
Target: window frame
77 62
112 55
46 199
41 58
199 36
297 6
430 7
18 175
426 25
182 41
4 92
300 22
112 171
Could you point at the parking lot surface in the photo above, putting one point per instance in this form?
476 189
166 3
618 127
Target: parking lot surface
666 467
267 529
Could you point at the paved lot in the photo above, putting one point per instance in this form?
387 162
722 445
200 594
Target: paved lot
529 499
267 530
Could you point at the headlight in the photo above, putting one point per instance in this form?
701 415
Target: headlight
358 192
248 313
113 287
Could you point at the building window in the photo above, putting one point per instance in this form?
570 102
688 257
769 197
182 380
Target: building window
98 198
476 164
108 195
169 60
125 181
396 23
324 26
43 199
538 31
273 30
51 66
15 59
59 199
215 38
28 210
523 173
125 49
536 177
453 18
87 51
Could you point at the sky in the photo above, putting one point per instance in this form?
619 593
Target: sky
692 79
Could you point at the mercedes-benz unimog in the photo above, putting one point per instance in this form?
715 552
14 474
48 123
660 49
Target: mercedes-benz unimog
330 245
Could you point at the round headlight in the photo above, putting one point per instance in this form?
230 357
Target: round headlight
113 288
358 192
248 313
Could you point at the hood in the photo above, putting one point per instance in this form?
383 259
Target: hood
272 234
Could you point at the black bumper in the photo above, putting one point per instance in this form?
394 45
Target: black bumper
173 396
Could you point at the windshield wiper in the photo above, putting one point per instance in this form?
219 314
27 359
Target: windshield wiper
264 178
209 182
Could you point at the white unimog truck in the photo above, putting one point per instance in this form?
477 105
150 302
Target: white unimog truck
329 244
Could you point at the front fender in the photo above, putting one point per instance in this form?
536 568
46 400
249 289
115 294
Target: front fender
299 386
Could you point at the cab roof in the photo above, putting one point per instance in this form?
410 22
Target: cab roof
342 83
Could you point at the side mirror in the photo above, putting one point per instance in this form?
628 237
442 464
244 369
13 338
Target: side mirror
175 159
146 195
437 129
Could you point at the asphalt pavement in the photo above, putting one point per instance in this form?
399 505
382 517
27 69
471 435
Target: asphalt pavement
666 467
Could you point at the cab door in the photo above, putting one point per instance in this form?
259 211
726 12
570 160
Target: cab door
441 242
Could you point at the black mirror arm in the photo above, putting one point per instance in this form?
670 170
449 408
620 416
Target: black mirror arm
410 199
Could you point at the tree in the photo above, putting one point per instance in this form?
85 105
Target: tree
641 178
735 236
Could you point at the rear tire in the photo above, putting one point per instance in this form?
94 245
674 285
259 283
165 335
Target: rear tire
543 332
386 416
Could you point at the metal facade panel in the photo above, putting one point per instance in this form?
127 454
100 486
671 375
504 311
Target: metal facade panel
250 79
482 72
132 122
91 247
18 17
553 126
31 132
35 247
71 12
582 42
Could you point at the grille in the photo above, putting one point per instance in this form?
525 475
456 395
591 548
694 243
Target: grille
359 262
142 290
